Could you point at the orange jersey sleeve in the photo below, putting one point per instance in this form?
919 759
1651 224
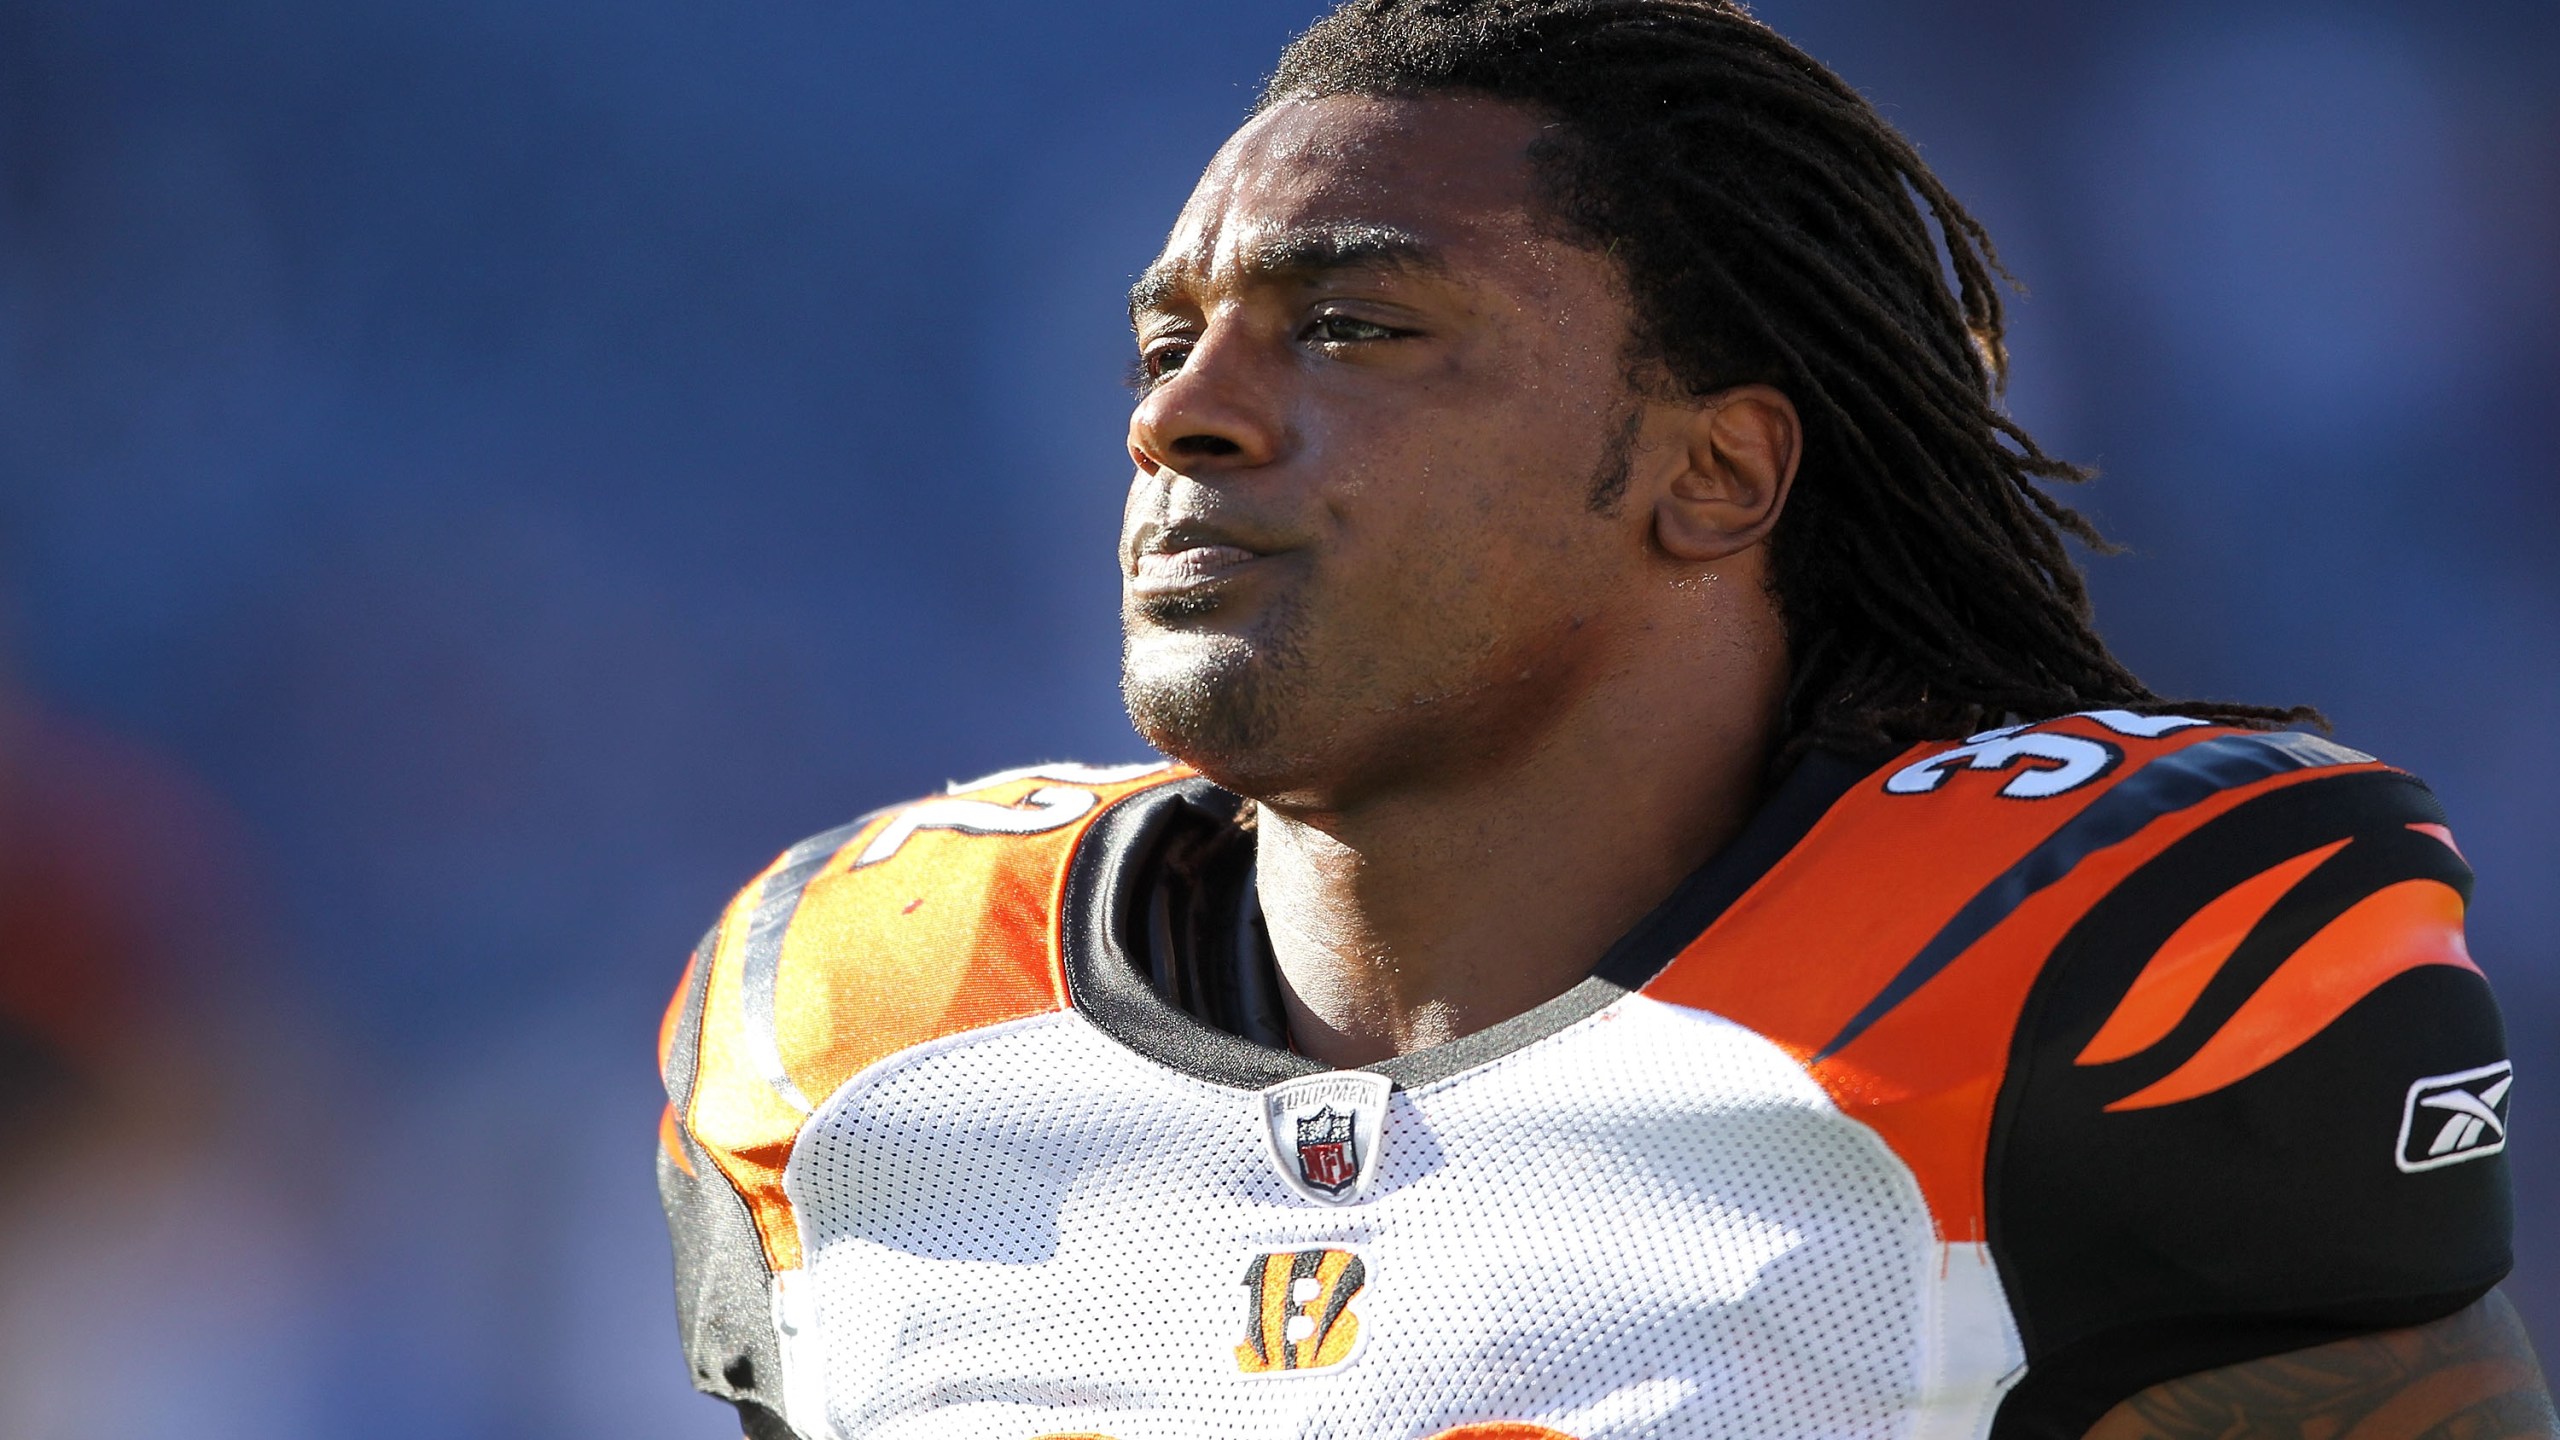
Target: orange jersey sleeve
911 924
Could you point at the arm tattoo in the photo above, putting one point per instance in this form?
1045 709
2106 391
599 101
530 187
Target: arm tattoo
2469 1376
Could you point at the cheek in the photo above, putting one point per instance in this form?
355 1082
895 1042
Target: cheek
1474 547
1465 506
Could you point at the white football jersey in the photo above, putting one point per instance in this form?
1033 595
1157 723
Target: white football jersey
1888 1123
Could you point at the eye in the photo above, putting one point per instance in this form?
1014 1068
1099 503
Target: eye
1157 363
1339 329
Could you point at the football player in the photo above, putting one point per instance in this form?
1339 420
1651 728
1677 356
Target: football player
1666 919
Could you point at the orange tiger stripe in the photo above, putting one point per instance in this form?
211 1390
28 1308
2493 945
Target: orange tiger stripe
2388 933
1273 1315
2439 832
2188 960
1796 956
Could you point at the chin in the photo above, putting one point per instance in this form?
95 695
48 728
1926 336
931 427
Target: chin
1214 699
1261 714
1202 699
1246 729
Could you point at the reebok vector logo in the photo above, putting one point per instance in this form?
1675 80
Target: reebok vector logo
2452 1118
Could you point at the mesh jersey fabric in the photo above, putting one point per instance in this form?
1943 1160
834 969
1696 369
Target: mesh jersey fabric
1651 1224
1798 1159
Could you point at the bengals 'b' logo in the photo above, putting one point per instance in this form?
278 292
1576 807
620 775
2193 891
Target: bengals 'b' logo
1298 1315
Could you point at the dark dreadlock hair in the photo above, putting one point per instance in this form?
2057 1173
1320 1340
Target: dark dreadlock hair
1763 215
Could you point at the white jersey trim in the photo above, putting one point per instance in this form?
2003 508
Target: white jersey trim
1975 1351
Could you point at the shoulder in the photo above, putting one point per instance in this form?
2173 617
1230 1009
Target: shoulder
2111 832
916 916
2265 1050
2219 901
1929 895
967 877
2251 1086
1939 924
905 926
2177 1019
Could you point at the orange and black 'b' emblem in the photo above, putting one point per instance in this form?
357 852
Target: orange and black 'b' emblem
1299 1313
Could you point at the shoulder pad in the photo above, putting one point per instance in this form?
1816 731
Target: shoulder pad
908 925
1894 948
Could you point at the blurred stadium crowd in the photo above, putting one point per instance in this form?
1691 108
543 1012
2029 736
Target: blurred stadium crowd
477 478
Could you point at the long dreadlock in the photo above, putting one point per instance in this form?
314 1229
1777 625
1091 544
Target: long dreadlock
1764 217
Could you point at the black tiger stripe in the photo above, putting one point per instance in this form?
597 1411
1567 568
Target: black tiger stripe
2109 947
2370 861
2169 784
1347 1284
1256 1276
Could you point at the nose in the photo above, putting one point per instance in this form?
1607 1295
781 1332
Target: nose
1218 412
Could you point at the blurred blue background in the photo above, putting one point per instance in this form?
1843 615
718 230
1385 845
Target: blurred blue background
477 478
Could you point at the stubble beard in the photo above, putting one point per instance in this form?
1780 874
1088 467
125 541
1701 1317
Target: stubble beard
1216 702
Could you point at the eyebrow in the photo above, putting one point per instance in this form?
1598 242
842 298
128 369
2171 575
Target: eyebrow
1303 251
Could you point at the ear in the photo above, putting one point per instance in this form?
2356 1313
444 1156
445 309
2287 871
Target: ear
1742 449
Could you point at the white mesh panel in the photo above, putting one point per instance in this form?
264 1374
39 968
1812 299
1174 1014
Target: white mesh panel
1651 1224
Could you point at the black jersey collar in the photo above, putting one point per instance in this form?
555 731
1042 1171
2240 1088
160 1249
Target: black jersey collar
1108 880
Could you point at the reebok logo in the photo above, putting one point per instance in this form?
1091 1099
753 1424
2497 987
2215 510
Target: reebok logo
2452 1118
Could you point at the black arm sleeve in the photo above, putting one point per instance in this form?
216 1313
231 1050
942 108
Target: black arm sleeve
2293 1130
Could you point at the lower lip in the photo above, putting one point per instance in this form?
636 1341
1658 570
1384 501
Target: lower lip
1163 573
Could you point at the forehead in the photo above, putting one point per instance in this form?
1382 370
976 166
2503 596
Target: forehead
1452 173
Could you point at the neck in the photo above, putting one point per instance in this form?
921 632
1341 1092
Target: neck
1417 916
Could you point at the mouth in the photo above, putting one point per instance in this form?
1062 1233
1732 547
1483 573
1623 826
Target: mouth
1163 570
1185 561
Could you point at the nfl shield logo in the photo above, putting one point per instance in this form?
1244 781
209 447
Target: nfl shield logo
1328 1154
1324 1132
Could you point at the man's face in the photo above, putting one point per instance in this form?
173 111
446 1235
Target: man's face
1371 538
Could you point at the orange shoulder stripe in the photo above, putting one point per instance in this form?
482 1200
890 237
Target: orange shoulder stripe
1892 951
